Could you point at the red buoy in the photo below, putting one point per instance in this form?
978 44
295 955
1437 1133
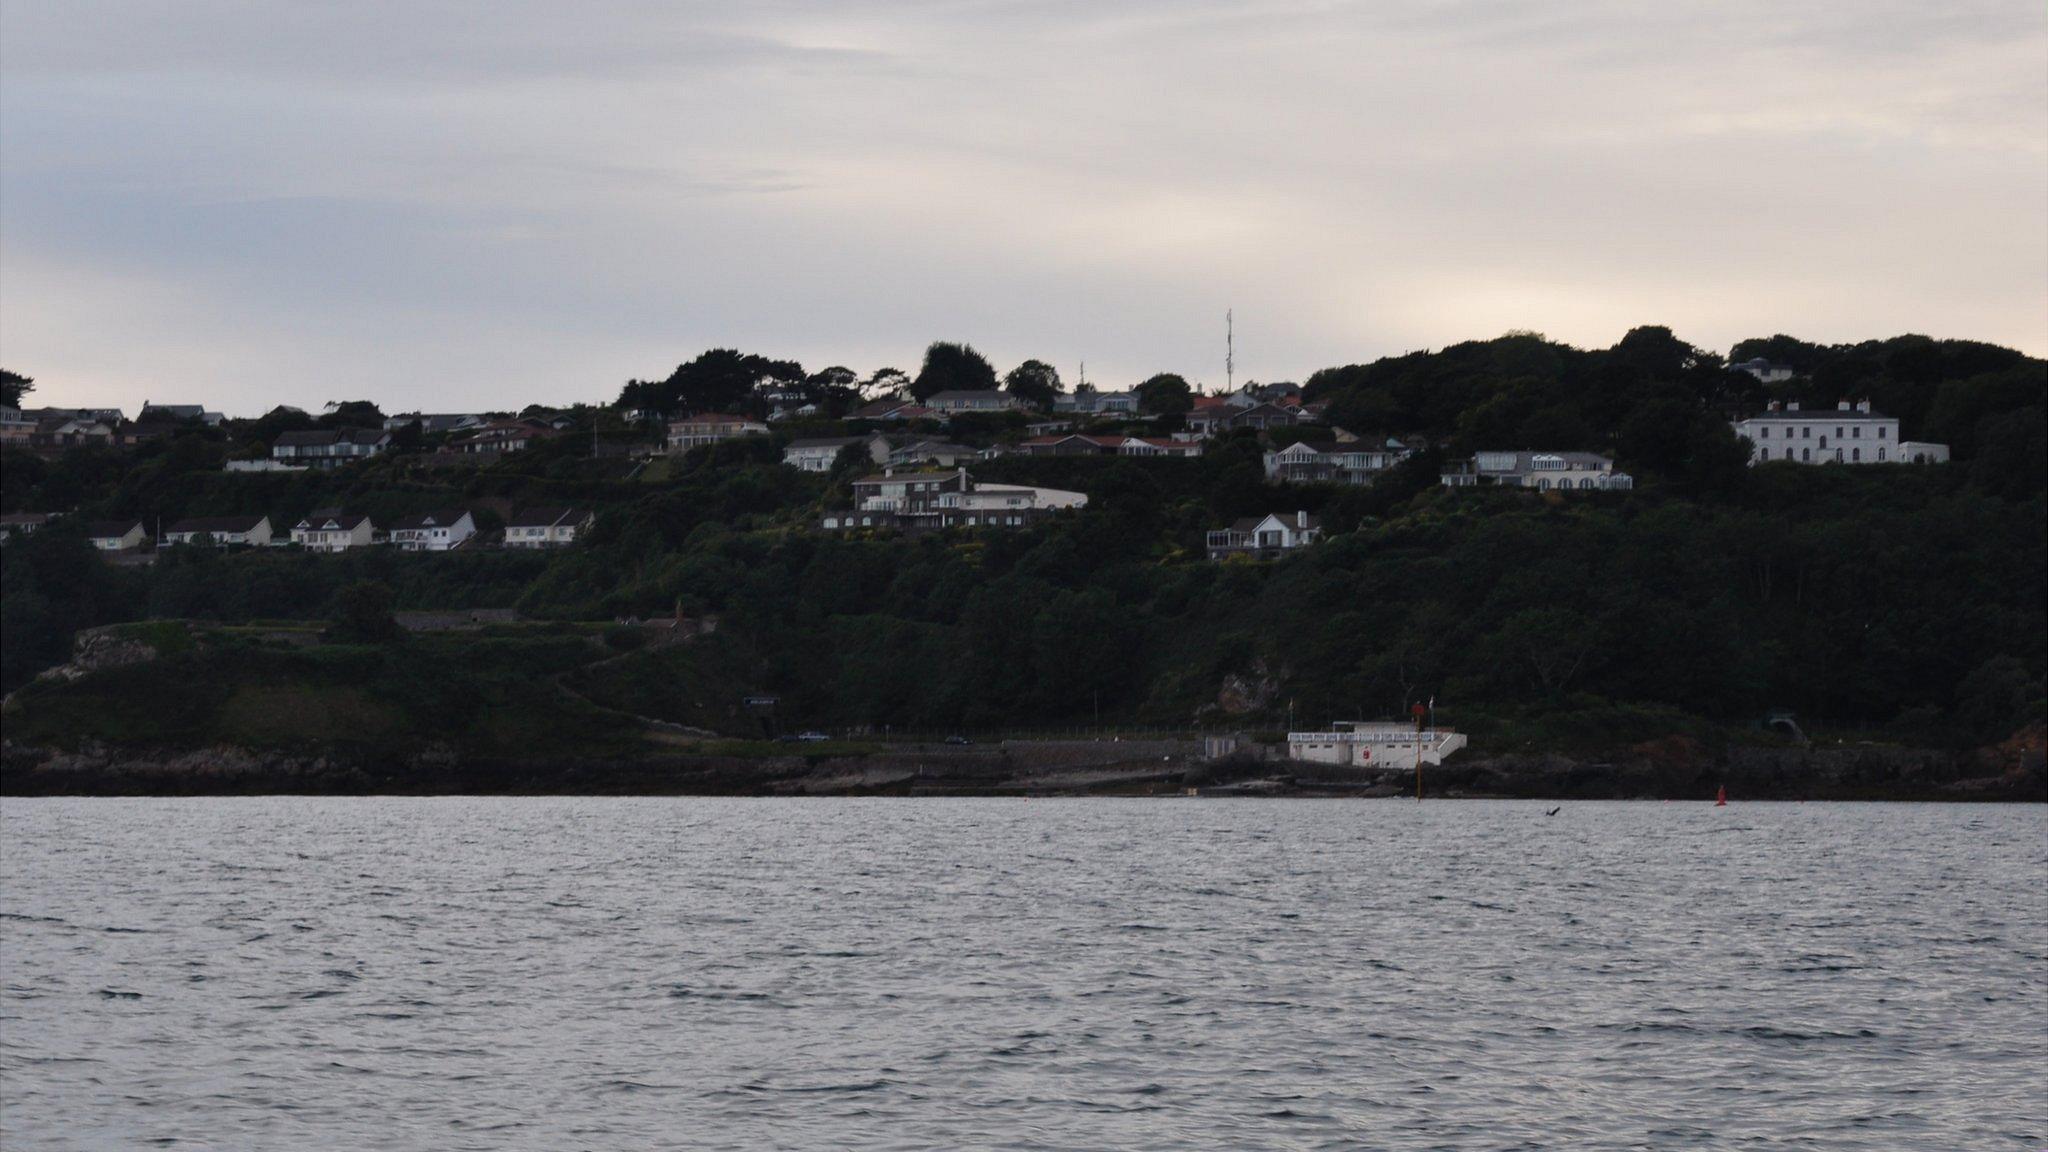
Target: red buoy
1721 797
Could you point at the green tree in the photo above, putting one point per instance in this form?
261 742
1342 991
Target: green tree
1035 382
1165 394
352 414
952 368
14 386
362 614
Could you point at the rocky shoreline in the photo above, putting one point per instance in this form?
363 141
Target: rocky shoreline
1675 769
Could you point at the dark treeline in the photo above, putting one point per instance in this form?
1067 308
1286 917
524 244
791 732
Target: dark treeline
1900 602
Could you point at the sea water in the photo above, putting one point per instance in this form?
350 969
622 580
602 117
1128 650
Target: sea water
541 973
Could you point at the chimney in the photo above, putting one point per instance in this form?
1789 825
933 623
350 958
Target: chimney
1863 405
1792 407
1841 405
1301 519
1774 406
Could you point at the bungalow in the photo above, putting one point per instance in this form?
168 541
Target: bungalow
546 527
116 535
1081 445
818 454
1307 462
1219 418
220 531
1089 402
330 447
433 531
710 428
1765 370
895 411
975 400
1547 471
503 436
931 452
1265 537
23 523
333 530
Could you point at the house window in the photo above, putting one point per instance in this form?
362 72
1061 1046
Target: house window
1856 433
1766 432
1856 455
1806 454
1881 432
1763 453
1806 433
1880 454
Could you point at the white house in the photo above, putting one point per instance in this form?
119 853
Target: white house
974 400
546 527
1545 471
1002 505
1374 743
333 530
818 454
116 535
220 531
433 531
1265 536
920 500
1304 462
1764 370
1850 434
710 428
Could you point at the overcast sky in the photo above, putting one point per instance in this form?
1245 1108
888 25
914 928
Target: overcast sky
461 205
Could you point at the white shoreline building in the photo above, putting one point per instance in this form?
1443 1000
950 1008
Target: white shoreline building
1374 744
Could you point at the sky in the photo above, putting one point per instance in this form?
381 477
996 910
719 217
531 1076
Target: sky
489 203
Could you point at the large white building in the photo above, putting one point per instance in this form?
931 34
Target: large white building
1850 434
1374 743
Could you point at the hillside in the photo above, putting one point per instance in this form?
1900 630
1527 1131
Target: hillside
1902 605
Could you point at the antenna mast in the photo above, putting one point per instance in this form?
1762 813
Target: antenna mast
1229 350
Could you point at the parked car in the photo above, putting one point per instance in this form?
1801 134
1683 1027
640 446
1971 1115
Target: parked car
958 740
812 737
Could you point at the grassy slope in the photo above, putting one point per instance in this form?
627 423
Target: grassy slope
486 695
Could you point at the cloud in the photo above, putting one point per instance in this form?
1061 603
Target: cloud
485 202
